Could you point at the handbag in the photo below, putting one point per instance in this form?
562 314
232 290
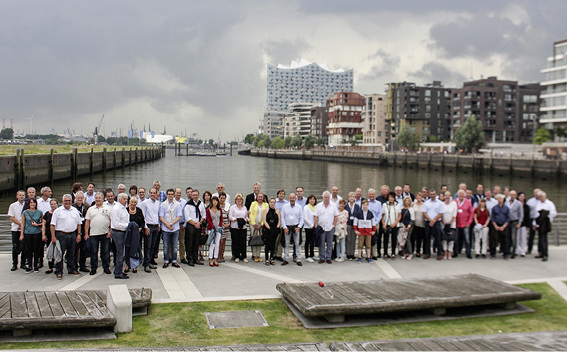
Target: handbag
204 236
241 222
255 241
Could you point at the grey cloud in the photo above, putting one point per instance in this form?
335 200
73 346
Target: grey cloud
434 71
283 51
385 64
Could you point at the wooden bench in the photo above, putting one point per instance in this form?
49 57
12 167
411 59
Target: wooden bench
23 312
336 300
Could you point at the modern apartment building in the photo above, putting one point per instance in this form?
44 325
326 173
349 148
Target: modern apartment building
319 122
298 122
273 124
374 120
345 117
554 94
508 111
425 109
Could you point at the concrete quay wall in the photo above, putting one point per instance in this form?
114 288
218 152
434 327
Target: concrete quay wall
478 164
22 170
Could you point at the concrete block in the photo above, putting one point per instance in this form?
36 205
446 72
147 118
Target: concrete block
119 303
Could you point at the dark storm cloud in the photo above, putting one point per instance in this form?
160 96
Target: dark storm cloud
85 58
435 71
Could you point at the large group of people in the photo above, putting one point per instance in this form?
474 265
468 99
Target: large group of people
129 226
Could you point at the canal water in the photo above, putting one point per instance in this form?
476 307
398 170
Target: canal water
240 172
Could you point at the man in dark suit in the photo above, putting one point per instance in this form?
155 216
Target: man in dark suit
252 196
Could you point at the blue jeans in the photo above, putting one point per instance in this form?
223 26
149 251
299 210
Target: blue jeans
104 251
68 250
118 238
170 238
326 236
462 237
341 247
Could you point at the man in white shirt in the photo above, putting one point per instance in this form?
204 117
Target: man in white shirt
532 203
326 215
170 213
141 196
292 222
97 228
150 208
43 203
545 213
182 222
335 198
90 195
491 202
66 228
110 198
15 214
195 217
433 213
220 188
280 202
119 221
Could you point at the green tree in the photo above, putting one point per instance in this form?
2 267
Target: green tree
309 141
7 133
249 139
407 139
560 132
267 141
258 138
211 142
278 143
296 141
470 136
542 135
320 141
260 144
287 142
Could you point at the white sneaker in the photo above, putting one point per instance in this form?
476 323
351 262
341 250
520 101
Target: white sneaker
340 260
245 260
237 260
310 260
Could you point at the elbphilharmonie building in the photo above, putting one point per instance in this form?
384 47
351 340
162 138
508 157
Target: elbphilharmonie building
304 82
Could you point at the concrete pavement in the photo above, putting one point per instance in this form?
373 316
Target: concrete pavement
239 281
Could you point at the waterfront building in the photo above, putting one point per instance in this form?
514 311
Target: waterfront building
273 124
374 120
306 82
345 117
425 109
302 82
298 121
319 121
554 94
508 111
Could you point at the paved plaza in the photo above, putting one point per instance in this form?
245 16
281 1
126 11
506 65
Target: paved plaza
255 280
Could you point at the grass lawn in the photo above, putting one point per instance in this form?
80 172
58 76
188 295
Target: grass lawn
184 324
61 149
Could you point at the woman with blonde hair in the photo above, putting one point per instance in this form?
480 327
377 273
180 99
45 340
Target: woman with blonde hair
238 216
257 209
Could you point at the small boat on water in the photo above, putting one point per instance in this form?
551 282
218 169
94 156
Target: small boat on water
202 154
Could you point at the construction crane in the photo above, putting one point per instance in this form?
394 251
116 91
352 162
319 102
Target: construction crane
97 130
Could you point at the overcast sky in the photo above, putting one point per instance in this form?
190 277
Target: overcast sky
200 66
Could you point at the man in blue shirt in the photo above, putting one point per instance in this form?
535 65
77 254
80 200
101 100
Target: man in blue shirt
292 222
169 216
433 213
500 217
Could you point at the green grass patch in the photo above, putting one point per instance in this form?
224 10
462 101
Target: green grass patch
60 149
185 324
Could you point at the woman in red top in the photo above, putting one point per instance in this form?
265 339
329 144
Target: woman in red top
481 220
214 226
